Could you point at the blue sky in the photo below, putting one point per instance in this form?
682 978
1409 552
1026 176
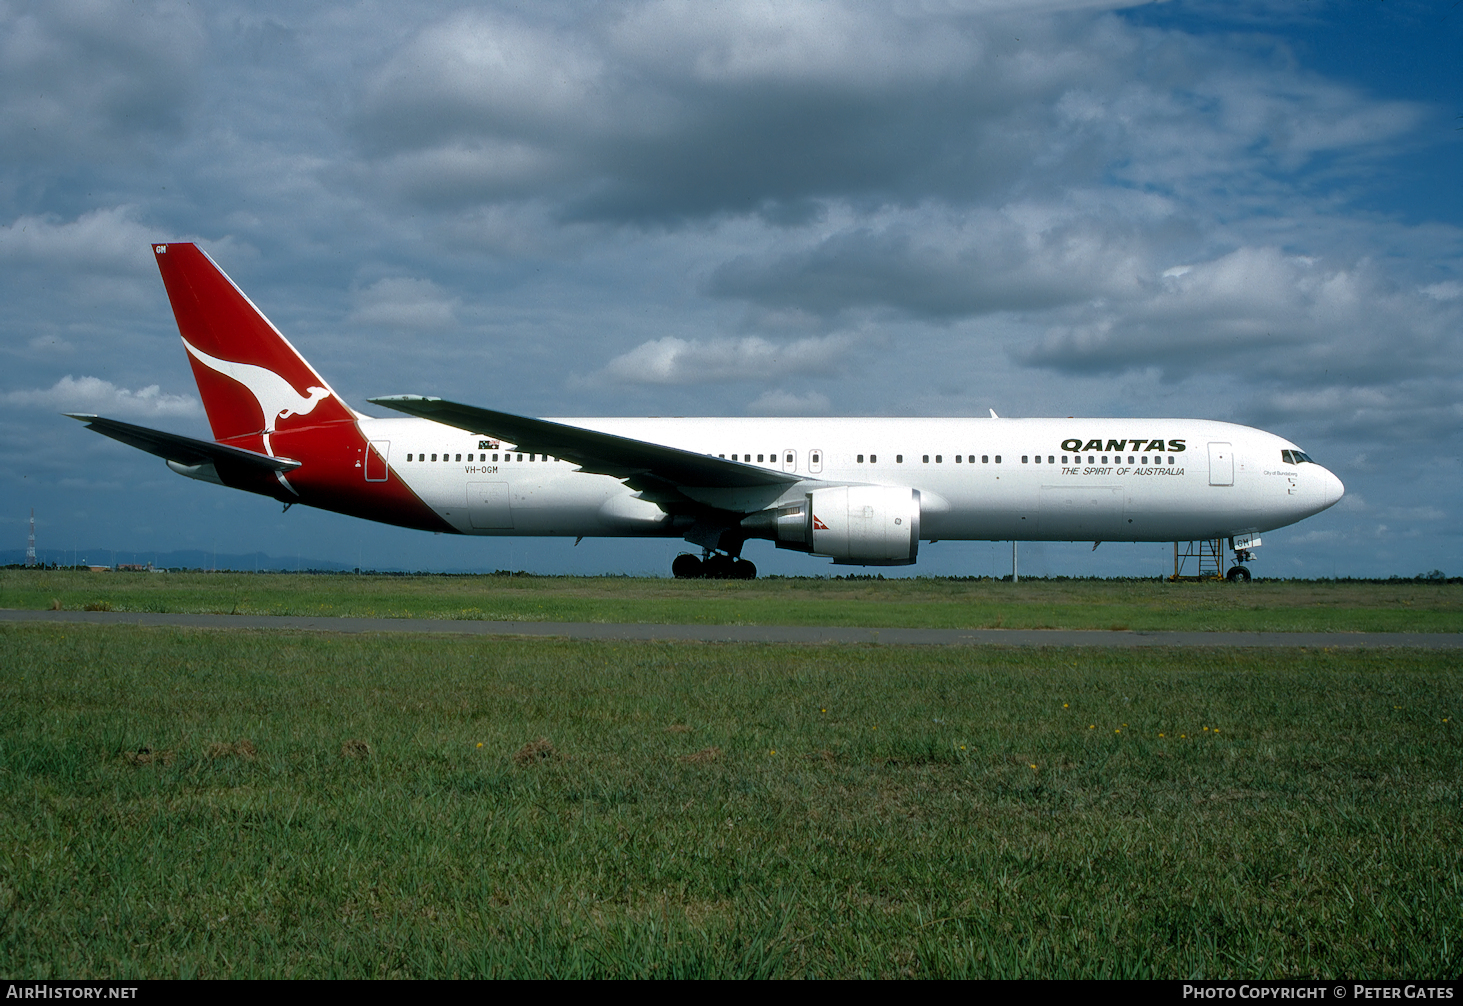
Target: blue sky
1239 211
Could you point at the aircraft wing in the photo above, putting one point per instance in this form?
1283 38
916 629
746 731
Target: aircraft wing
183 450
601 453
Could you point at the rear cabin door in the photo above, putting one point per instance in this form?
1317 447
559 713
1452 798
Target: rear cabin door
376 456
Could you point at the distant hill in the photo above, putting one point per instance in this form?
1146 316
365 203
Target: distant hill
193 558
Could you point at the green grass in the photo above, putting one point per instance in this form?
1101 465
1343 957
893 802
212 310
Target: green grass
907 603
869 810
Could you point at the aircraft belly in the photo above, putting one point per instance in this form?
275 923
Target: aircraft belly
1075 511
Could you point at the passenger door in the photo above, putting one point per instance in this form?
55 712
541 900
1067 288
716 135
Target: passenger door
1221 464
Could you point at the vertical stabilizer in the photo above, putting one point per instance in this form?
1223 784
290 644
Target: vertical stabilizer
252 381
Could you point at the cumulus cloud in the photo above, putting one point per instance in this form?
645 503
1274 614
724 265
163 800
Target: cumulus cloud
1301 318
663 110
94 395
407 303
752 358
776 402
105 240
938 263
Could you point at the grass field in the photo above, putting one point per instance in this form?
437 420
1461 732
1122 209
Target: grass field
906 603
268 804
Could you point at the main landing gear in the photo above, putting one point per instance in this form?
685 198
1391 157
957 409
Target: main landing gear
716 566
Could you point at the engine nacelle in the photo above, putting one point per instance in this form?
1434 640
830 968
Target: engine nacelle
865 525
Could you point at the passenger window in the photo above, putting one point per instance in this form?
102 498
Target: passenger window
958 459
1130 459
927 459
899 459
998 459
939 459
985 459
408 457
860 459
1145 459
759 457
1023 459
434 457
873 459
1050 460
520 457
1064 459
495 457
1104 459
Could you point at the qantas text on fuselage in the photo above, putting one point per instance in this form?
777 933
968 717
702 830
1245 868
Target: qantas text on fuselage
856 491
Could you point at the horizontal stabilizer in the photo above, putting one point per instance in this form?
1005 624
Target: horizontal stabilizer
603 453
183 450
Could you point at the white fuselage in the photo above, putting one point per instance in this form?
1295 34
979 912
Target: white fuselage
978 479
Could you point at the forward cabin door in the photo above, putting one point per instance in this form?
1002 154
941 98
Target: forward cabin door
1221 465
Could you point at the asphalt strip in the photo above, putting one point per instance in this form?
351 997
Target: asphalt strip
754 633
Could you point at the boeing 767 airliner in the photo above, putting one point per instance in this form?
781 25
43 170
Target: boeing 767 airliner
862 492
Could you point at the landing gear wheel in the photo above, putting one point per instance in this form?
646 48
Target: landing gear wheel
718 567
744 570
1237 574
686 567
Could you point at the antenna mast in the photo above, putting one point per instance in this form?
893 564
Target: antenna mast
30 543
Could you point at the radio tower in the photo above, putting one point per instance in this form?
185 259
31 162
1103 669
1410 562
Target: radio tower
30 543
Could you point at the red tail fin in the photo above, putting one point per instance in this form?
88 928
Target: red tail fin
253 382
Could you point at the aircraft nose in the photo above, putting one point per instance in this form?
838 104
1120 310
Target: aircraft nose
1333 489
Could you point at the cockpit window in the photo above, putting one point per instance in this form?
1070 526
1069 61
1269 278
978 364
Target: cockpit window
1295 457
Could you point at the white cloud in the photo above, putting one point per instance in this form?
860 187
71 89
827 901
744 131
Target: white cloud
944 261
813 41
401 302
698 361
94 395
776 402
107 240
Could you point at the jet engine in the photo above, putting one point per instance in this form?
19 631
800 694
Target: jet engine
865 525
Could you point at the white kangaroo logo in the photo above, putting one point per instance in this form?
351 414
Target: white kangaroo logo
277 398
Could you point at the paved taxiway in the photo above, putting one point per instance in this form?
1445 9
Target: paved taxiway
754 633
